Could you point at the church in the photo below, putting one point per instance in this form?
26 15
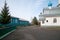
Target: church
50 16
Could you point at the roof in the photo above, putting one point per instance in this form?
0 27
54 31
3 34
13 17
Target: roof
23 19
50 15
52 8
53 12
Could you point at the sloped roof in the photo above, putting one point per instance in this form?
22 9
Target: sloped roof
23 19
50 15
52 8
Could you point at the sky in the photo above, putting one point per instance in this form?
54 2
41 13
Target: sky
27 9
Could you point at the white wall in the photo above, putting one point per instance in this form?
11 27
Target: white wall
50 22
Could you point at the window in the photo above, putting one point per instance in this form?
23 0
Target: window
46 20
54 20
16 20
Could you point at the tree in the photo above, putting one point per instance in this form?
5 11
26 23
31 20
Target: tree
35 21
5 16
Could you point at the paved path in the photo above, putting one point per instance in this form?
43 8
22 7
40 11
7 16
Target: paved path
33 33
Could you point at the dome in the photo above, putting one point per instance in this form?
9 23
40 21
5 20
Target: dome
49 4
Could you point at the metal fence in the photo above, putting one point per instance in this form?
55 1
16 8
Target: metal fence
4 29
7 28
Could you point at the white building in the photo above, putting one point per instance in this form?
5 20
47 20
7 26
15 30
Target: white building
50 16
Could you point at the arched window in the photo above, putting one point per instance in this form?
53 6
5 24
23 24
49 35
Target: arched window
54 20
46 20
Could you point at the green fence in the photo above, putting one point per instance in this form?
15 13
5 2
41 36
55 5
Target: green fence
7 28
4 29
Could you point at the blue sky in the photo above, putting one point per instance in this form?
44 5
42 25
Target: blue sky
27 9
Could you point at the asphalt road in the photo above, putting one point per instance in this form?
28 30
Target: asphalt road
33 33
